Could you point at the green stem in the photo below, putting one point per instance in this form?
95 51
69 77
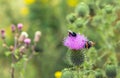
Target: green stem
78 71
12 73
13 58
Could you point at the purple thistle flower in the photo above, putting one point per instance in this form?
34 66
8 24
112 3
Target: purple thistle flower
3 34
2 31
27 41
13 28
20 26
75 41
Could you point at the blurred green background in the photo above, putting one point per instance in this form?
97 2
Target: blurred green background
49 17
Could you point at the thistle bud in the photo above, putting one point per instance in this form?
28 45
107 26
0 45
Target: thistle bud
77 57
3 34
27 41
98 74
37 36
108 9
23 36
111 71
97 20
92 8
67 74
79 22
71 18
13 28
82 10
101 4
20 26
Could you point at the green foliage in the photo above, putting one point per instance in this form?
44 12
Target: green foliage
8 53
67 74
98 20
98 74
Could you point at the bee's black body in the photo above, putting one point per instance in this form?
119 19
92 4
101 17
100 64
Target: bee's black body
72 34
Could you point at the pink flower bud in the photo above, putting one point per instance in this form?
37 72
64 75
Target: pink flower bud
13 28
3 34
27 41
37 36
20 26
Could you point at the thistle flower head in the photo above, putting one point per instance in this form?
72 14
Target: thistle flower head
20 26
27 41
2 31
13 28
2 34
75 41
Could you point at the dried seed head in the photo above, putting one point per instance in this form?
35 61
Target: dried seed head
37 36
4 45
11 48
23 36
22 50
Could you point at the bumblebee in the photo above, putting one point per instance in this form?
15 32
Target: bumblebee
89 44
70 33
